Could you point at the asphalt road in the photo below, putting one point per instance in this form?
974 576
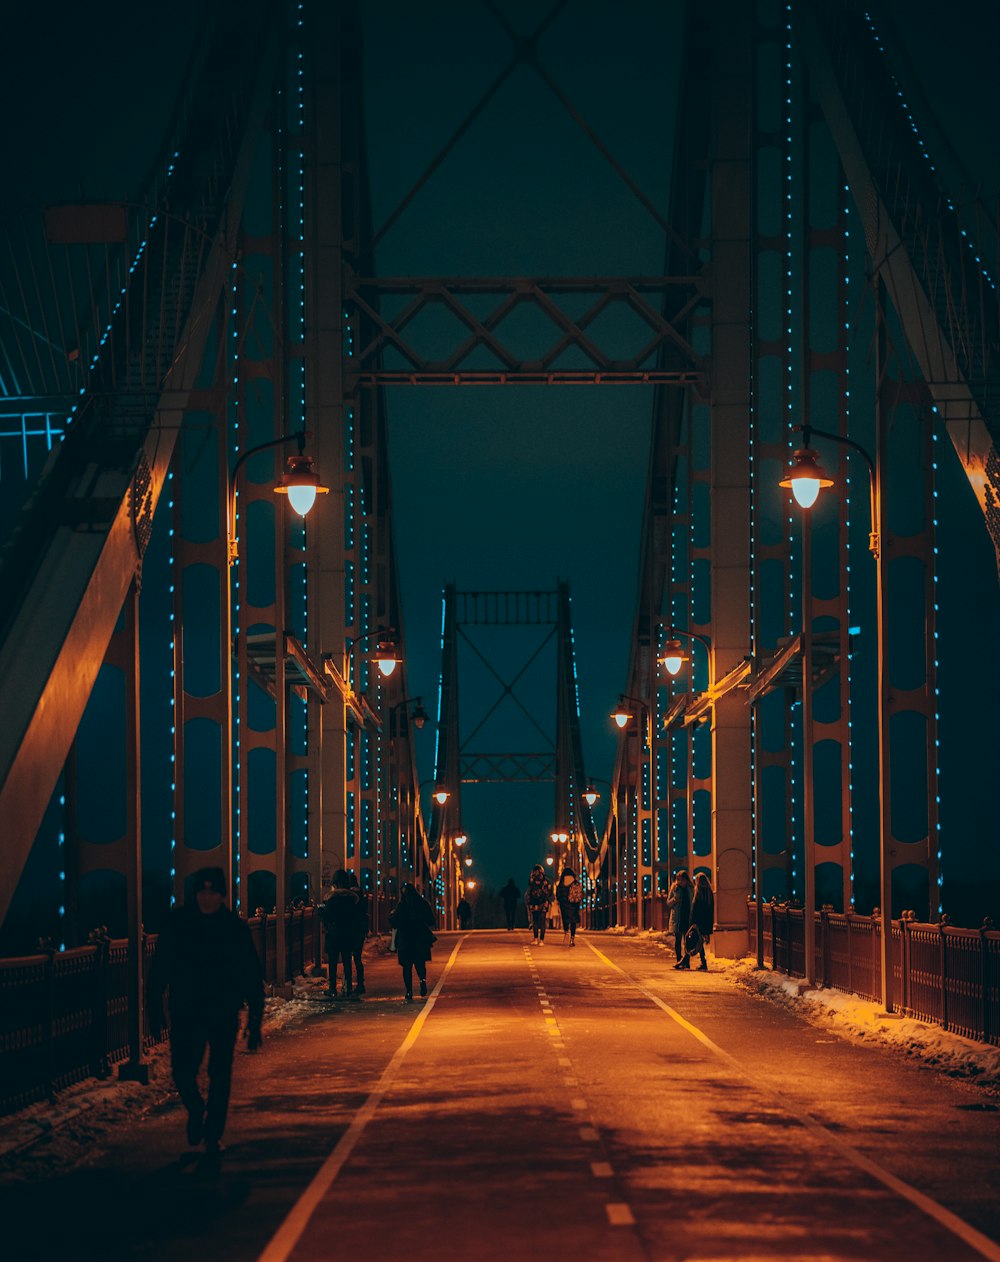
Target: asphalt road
544 1103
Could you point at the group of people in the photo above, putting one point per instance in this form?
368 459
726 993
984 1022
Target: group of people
206 960
692 916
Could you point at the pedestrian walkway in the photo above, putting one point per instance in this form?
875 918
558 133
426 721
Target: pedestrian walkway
544 1101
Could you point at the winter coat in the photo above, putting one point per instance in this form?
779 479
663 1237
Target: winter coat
570 912
339 915
208 964
539 893
413 921
679 902
362 922
510 894
703 912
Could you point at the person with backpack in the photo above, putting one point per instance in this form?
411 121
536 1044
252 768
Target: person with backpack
537 898
679 903
569 896
413 921
509 895
702 922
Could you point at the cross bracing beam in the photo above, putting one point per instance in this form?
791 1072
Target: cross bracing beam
572 348
508 768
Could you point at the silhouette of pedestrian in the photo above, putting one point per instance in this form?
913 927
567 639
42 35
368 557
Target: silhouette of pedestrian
538 898
569 893
464 914
702 922
413 921
510 894
339 915
361 926
679 902
206 962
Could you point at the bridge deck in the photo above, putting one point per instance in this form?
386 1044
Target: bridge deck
545 1102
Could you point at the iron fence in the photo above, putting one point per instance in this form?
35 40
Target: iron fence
940 973
64 1014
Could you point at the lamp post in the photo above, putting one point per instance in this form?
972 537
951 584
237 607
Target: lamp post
441 796
301 484
622 716
386 655
418 719
673 656
591 797
806 479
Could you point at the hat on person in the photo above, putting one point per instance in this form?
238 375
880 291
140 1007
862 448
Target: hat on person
210 878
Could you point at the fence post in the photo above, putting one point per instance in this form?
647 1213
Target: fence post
49 1023
824 945
943 956
987 980
906 943
100 1060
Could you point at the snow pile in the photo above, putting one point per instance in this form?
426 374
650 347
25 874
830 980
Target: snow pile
852 1017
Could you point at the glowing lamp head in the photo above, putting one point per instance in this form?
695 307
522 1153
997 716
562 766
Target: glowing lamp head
301 484
386 657
441 795
549 861
470 885
419 716
806 478
590 795
468 860
673 657
621 715
461 839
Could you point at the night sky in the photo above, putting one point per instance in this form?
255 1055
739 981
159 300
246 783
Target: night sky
494 488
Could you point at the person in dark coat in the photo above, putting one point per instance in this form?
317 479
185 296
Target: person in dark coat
339 915
510 894
464 912
413 921
569 903
702 918
207 964
679 902
538 898
361 926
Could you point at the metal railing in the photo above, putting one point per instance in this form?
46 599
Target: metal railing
64 1014
940 973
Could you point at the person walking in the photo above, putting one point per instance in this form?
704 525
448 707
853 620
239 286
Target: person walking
509 896
362 924
464 913
413 921
207 965
538 898
339 916
702 920
679 902
569 895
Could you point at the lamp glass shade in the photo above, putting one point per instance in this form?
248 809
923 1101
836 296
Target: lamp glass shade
621 717
387 665
461 839
549 860
441 796
673 657
591 796
302 498
419 716
468 861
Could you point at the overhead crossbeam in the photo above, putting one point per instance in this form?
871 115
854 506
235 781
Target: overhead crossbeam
508 768
662 307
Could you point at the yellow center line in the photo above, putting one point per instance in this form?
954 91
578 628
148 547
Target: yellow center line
973 1238
289 1233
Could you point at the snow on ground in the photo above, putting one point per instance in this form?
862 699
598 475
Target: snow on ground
52 1137
855 1018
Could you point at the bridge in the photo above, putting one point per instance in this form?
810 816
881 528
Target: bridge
232 598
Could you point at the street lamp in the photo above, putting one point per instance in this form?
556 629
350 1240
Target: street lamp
300 483
386 654
418 718
461 839
806 479
673 656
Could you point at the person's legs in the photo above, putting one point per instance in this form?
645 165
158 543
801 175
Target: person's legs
359 967
187 1048
704 962
344 953
221 1042
421 967
408 979
677 945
